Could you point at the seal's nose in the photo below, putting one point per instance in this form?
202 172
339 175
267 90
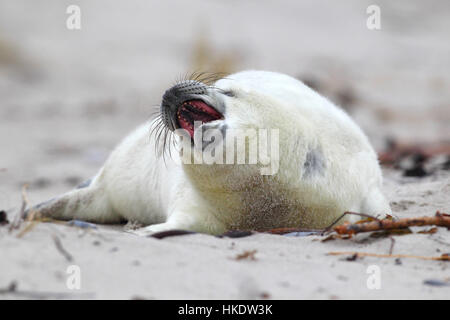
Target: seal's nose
174 97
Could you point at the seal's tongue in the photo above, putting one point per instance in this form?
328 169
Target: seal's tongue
196 110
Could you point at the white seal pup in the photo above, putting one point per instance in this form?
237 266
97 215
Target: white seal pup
325 164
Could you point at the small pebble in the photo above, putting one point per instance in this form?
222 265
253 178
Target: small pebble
436 283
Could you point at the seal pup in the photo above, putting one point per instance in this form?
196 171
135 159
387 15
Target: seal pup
326 165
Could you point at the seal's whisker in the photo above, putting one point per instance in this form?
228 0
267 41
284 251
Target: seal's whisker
203 77
167 137
156 125
164 141
159 131
210 78
155 113
172 140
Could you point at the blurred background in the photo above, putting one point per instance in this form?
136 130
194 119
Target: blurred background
67 97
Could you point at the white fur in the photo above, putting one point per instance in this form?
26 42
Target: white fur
137 184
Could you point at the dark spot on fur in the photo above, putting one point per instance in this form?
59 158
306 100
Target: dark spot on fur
314 163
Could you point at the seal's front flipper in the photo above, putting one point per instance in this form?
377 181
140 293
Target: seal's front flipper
152 229
191 221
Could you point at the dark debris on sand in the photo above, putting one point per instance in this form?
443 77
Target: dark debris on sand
3 218
416 160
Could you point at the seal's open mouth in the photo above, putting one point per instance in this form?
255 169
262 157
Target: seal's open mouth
196 110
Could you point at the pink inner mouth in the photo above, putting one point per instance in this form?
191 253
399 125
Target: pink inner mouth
196 110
